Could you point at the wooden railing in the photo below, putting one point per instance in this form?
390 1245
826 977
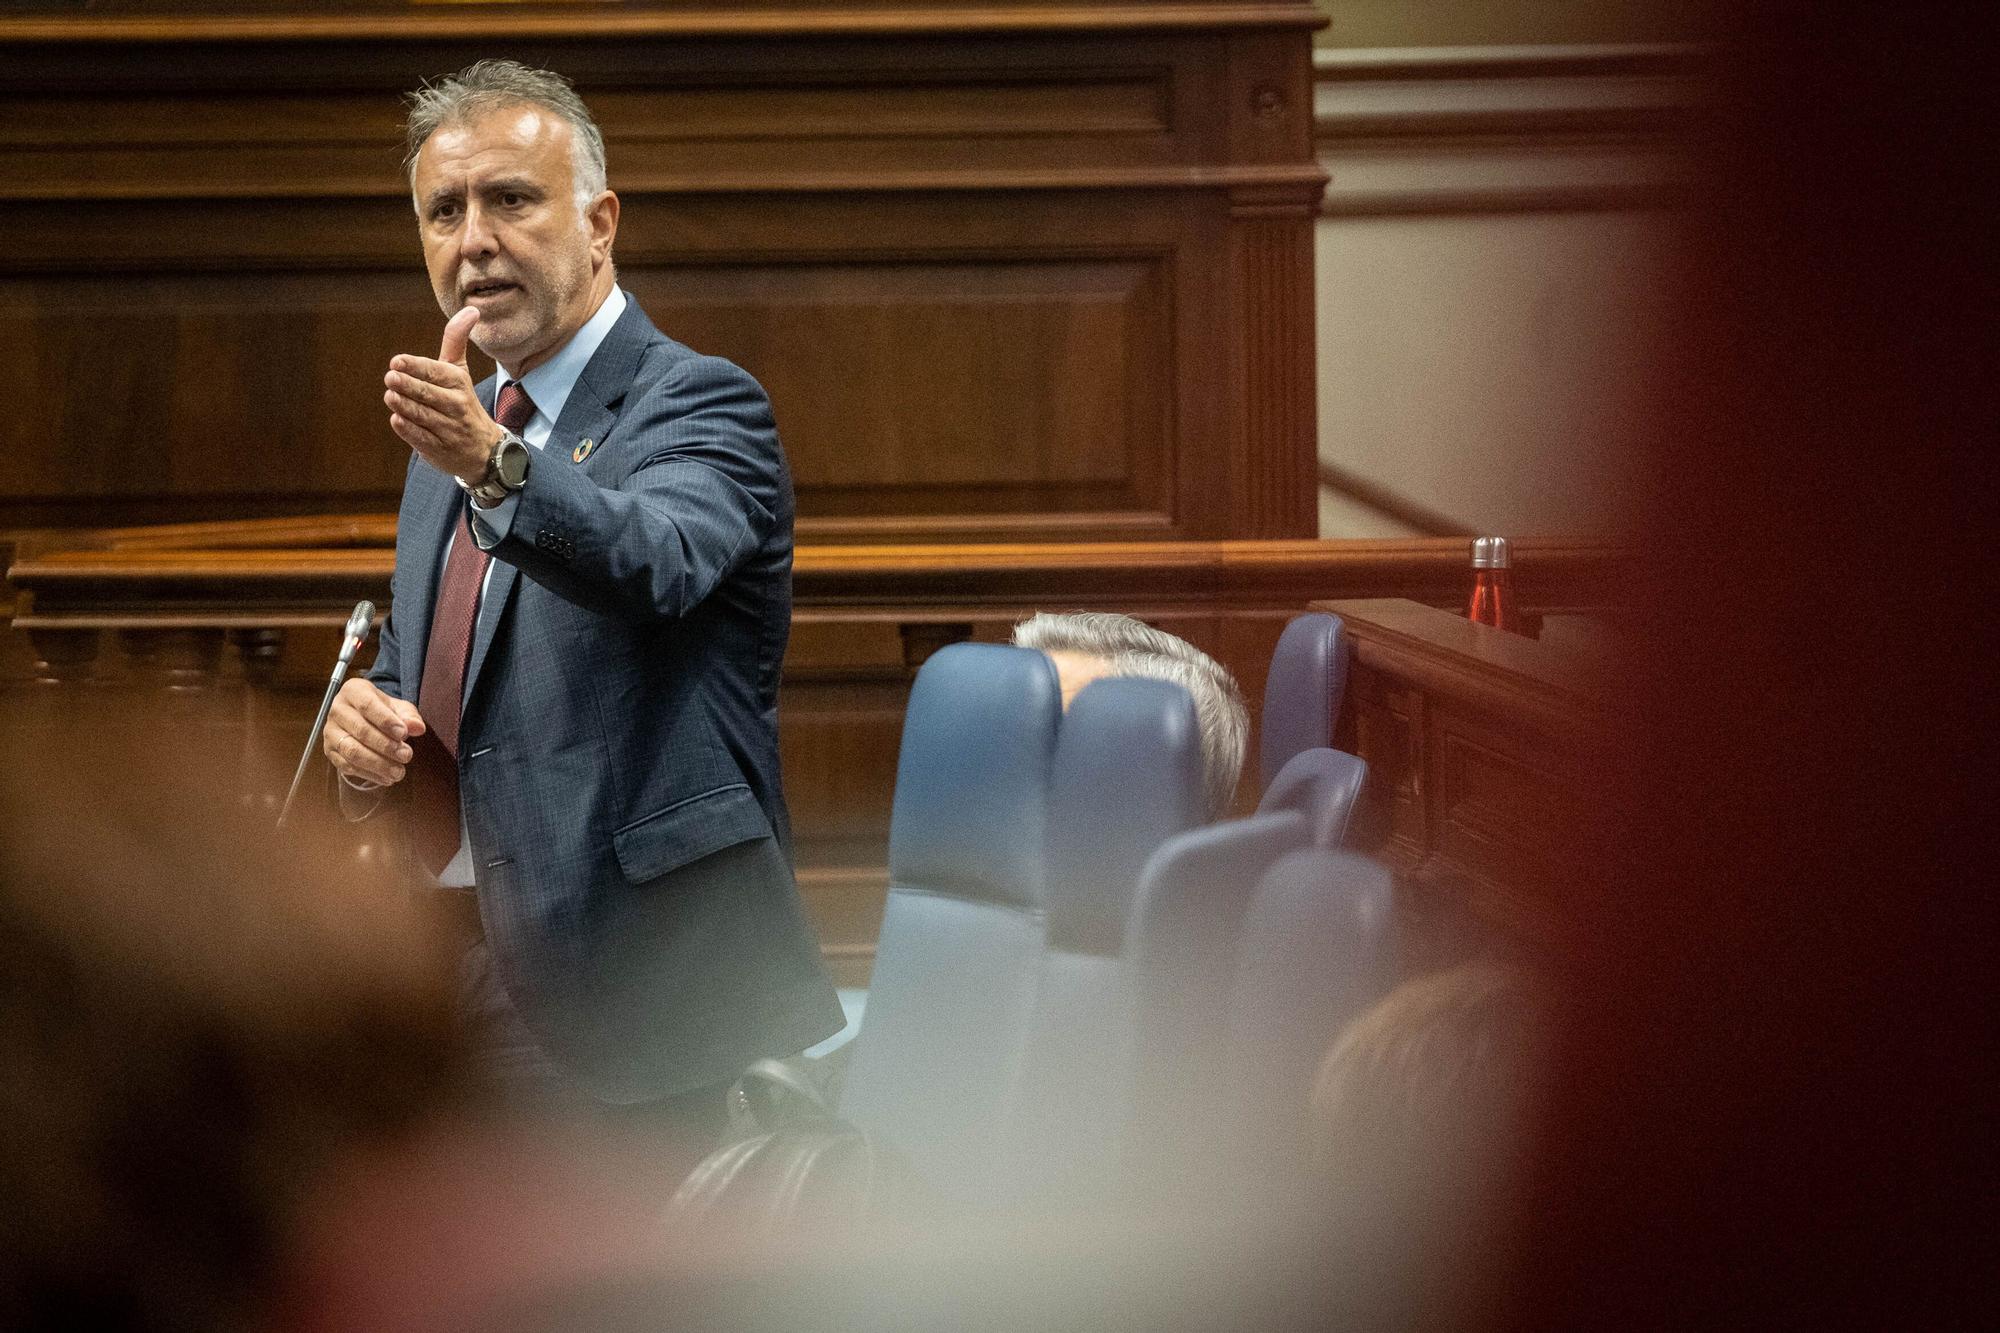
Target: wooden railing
280 574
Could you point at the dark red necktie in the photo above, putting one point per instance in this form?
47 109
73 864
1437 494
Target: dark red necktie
433 770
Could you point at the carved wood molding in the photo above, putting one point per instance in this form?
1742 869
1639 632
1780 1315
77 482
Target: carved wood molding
466 22
1507 129
1511 92
1298 188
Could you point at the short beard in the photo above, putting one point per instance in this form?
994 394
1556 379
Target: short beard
566 285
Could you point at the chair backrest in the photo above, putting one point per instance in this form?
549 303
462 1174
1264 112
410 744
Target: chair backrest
1128 776
1181 947
1322 785
1318 946
962 930
1302 692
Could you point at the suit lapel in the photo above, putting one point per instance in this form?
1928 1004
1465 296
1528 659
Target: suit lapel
599 392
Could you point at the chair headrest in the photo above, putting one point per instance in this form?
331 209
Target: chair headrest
972 780
1192 893
1127 777
1303 690
1322 785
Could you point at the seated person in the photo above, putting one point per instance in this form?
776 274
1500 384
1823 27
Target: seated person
1420 1117
1090 645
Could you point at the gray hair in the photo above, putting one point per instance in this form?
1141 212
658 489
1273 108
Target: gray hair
489 84
1133 648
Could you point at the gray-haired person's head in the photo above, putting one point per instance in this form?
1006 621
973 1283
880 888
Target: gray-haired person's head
1119 645
487 85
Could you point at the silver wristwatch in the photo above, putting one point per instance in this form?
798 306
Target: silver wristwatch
506 471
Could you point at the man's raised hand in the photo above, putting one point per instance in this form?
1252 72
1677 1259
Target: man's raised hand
434 409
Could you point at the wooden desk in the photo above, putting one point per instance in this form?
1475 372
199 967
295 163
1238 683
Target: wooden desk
1489 755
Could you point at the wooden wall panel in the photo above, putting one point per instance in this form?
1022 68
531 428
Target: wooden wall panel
902 390
168 395
1027 387
1009 272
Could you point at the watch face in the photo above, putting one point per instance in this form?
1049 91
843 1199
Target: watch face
512 464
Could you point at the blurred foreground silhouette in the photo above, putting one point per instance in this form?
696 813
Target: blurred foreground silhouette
200 1020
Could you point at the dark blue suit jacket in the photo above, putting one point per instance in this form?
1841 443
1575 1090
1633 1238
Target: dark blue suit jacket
618 750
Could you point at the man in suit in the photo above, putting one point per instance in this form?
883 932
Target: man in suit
575 699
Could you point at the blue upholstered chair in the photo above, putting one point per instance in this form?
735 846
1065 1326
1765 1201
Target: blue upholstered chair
1300 768
1322 786
956 966
1317 946
1302 692
1181 949
1128 775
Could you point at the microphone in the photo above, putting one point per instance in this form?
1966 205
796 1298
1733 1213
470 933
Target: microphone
358 626
352 637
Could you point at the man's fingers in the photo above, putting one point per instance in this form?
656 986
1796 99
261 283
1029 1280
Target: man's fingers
356 760
415 389
413 722
456 332
416 411
410 433
362 726
380 712
350 752
443 374
365 733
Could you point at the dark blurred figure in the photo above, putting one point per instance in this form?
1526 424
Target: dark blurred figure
199 1026
1774 1107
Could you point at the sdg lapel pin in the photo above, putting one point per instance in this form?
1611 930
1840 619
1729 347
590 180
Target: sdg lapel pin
582 451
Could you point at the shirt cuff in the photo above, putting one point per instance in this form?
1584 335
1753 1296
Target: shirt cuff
491 526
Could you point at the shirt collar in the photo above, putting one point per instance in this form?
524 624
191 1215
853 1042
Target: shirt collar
548 384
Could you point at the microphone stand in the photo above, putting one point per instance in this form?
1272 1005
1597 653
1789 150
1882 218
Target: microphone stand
358 625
